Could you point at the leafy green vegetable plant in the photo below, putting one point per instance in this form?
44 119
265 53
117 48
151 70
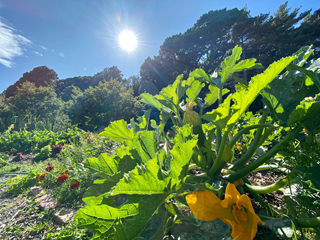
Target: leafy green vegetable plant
139 192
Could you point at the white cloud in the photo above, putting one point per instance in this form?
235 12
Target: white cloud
11 44
61 54
44 48
38 53
85 68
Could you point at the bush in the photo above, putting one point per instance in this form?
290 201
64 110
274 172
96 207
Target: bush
44 153
2 162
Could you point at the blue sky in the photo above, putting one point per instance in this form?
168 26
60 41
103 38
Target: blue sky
80 38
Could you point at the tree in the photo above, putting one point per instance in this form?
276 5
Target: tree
264 37
37 108
108 101
40 76
86 81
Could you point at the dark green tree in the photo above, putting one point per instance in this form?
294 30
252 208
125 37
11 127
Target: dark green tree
264 37
40 76
36 108
108 101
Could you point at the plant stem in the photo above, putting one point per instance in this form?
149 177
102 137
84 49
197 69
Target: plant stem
242 131
308 222
253 147
218 130
219 156
265 157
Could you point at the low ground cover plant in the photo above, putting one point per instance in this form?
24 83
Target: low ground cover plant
142 190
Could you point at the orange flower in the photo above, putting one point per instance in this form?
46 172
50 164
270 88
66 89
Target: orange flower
74 184
62 178
42 176
49 168
239 146
235 210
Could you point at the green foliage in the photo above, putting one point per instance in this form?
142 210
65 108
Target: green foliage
130 198
107 102
40 76
2 162
68 232
44 153
33 141
20 183
266 37
34 108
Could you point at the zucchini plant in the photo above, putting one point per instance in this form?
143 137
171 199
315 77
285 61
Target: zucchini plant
142 191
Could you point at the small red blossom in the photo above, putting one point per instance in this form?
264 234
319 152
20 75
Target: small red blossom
7 152
62 178
74 184
42 176
49 168
66 171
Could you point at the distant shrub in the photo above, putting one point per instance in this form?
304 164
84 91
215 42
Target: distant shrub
56 148
44 153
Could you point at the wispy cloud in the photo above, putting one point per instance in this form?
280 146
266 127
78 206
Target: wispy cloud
44 48
38 53
11 43
61 54
84 68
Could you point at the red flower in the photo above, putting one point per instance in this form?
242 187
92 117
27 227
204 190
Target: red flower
62 178
42 176
7 152
49 168
66 171
74 184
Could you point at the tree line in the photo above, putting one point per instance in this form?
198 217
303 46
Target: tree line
39 100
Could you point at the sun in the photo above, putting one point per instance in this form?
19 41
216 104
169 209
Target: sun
127 40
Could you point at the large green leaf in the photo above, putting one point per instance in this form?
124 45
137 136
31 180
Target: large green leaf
228 64
149 178
307 108
244 98
282 97
194 90
302 55
118 131
149 99
221 115
124 223
145 143
247 64
201 75
113 167
158 225
213 95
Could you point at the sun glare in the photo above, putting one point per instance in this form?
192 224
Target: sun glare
127 40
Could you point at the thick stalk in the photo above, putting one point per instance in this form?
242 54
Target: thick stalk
219 156
253 147
270 188
179 117
308 222
259 200
265 157
218 130
242 131
274 167
173 120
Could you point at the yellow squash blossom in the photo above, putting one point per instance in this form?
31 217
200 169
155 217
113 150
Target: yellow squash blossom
235 210
239 146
